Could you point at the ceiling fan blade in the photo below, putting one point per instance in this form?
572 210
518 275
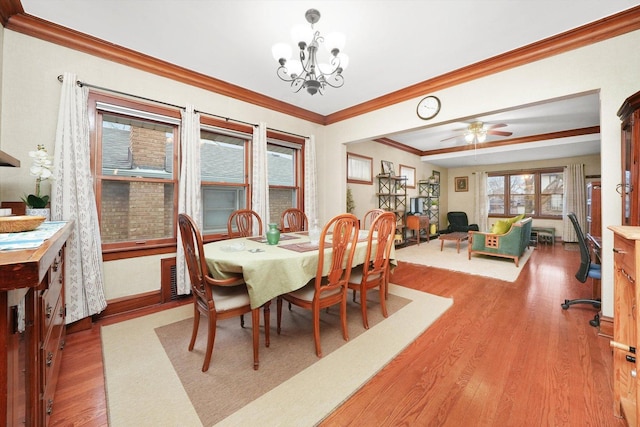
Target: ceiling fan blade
497 125
499 133
451 137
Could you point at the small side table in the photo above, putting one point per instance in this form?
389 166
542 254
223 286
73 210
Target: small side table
416 223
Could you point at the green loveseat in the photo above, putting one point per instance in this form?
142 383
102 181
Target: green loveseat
511 244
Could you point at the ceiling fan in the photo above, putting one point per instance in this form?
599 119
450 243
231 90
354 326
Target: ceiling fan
478 131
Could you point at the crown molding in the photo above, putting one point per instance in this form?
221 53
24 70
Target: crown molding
13 18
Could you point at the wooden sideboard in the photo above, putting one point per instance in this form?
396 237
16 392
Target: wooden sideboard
32 330
626 266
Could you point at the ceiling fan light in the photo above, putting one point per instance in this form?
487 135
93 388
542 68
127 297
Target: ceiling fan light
482 137
469 137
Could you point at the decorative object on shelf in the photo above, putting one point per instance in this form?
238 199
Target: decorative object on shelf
307 72
428 107
273 234
462 183
387 167
430 193
410 173
436 176
41 169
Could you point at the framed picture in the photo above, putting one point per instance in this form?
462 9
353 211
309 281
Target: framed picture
387 167
436 175
462 183
410 173
359 169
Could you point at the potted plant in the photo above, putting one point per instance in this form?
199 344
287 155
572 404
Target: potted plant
41 169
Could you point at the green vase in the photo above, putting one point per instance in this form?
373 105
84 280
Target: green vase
273 234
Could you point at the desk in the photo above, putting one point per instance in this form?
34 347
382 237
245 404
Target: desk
274 270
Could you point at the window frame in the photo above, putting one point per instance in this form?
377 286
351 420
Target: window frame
239 130
298 144
352 177
537 191
132 248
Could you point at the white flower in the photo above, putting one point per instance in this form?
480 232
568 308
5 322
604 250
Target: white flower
42 163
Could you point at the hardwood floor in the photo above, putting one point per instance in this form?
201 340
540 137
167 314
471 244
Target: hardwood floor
504 354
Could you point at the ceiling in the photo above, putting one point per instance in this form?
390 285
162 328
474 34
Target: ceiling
391 45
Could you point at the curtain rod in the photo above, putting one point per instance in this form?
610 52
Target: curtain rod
81 84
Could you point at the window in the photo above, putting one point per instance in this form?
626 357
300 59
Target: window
359 169
224 177
284 165
537 193
135 172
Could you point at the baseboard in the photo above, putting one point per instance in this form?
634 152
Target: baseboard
606 327
131 303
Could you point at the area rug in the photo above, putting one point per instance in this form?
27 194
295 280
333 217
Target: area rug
429 254
145 386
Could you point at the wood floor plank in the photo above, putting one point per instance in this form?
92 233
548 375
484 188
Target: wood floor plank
504 354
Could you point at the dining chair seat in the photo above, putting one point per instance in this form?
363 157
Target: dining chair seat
230 297
307 292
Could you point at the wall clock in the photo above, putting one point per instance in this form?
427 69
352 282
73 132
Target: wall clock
428 107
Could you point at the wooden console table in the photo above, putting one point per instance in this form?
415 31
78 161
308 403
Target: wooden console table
32 329
417 223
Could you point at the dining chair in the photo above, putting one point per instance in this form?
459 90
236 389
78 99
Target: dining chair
240 223
375 273
369 216
216 299
293 219
328 288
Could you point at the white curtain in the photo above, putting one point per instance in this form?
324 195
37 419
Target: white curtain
575 200
189 187
73 198
260 183
310 180
481 202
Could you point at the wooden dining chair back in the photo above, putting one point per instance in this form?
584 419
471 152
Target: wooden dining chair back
375 273
241 223
293 219
369 216
213 298
329 287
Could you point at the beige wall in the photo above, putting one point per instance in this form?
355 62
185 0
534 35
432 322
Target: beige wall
30 94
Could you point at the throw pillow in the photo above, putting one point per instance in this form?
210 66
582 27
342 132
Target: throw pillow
516 218
501 227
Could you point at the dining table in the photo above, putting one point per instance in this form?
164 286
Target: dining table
273 270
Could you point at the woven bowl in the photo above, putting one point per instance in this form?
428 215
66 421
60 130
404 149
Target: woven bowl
15 224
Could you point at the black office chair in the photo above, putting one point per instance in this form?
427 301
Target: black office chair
586 270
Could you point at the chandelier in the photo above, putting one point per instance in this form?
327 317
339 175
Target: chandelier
307 72
476 132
